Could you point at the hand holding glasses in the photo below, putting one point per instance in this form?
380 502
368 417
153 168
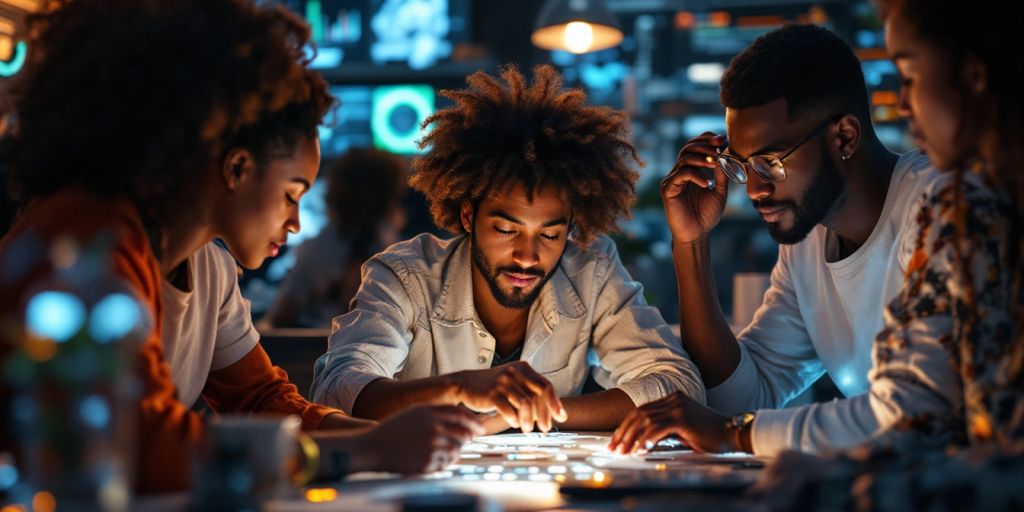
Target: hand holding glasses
768 166
693 202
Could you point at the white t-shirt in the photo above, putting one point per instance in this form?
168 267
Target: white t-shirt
207 328
822 317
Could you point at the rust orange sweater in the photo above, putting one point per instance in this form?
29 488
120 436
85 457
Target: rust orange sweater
167 430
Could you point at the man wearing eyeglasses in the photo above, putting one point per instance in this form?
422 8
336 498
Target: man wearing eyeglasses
801 140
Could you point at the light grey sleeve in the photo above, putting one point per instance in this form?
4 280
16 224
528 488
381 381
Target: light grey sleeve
777 359
637 349
369 342
236 336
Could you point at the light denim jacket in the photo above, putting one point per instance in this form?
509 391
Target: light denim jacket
414 317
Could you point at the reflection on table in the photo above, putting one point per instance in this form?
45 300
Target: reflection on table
538 471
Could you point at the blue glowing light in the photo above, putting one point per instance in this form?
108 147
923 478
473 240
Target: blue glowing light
867 39
387 100
55 315
10 68
114 317
603 76
25 410
876 70
95 412
8 476
327 58
414 32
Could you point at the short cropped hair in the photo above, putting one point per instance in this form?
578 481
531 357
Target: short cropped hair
810 66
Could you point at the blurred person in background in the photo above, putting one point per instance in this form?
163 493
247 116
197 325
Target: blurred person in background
365 187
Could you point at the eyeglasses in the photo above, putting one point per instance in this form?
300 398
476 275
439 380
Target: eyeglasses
767 165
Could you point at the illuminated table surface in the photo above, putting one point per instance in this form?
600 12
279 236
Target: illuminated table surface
541 471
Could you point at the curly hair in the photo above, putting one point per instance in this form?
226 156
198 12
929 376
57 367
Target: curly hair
810 66
506 131
141 98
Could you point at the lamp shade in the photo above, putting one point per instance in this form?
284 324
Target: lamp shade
577 26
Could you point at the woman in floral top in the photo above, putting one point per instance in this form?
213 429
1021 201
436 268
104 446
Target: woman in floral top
964 279
961 440
957 304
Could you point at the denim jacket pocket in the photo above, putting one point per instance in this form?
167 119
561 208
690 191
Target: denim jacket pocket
568 379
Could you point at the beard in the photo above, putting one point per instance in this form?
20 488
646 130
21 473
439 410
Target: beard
817 202
515 299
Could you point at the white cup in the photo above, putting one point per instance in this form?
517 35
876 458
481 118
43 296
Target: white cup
747 295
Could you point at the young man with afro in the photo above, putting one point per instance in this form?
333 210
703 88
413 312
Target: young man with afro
512 314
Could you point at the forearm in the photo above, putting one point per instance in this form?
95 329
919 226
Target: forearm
341 421
705 334
836 425
603 410
253 384
386 396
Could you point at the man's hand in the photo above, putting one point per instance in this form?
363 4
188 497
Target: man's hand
417 440
698 426
695 190
520 395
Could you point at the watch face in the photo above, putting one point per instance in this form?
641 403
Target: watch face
743 420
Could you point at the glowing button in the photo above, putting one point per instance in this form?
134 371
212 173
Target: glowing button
321 495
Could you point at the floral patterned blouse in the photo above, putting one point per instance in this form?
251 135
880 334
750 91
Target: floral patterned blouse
960 441
959 300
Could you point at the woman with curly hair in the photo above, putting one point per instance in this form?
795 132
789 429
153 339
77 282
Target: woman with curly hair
963 298
158 127
963 294
501 317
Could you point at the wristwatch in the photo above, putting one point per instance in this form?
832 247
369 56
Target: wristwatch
743 423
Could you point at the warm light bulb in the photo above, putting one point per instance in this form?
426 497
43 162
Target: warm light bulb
579 37
321 495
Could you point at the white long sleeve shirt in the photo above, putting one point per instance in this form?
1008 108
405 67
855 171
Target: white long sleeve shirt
820 315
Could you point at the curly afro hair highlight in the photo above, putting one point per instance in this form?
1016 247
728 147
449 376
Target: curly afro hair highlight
503 131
